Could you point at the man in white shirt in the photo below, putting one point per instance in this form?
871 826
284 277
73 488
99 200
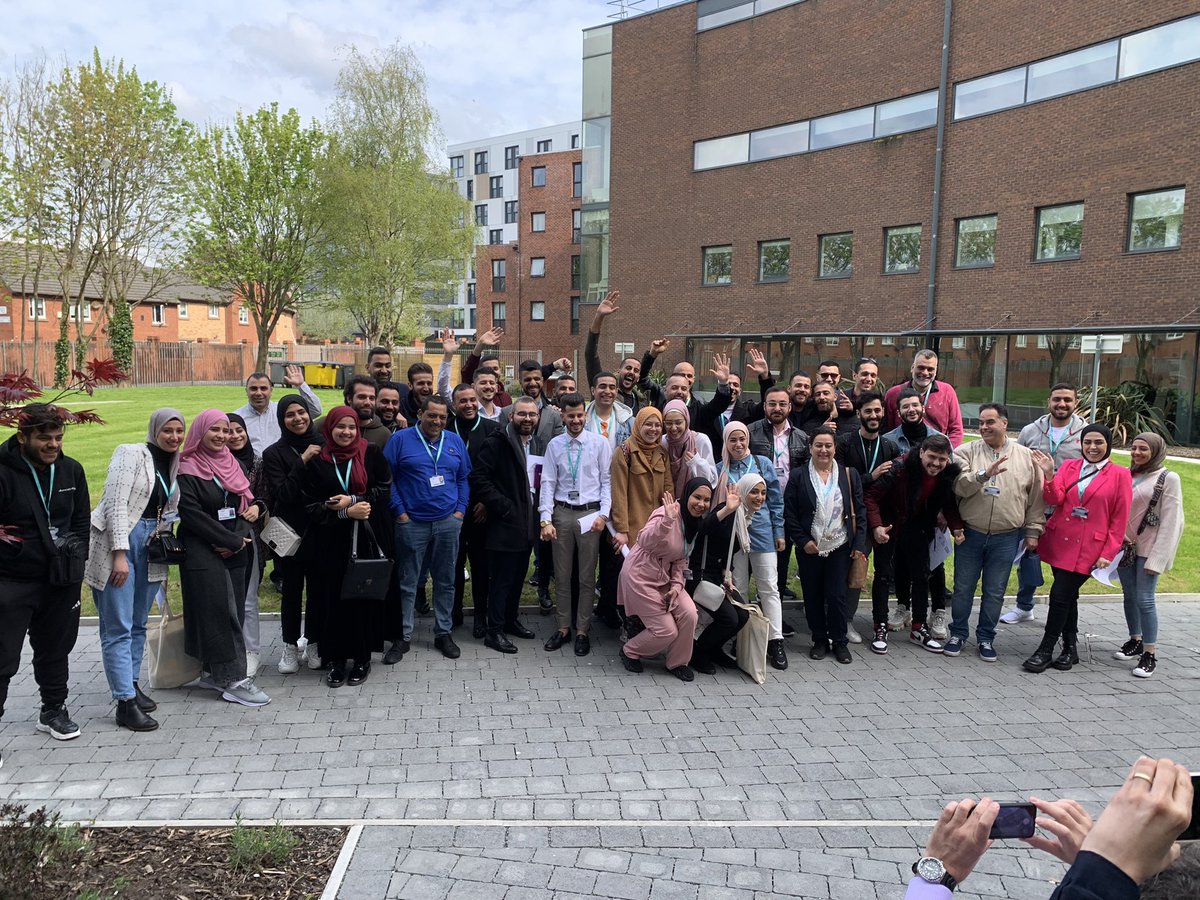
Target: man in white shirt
262 422
486 387
606 416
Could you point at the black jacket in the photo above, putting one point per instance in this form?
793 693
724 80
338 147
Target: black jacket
499 481
473 435
844 424
894 499
762 443
851 450
21 508
800 504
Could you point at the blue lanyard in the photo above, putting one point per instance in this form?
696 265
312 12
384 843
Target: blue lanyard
874 456
573 469
168 491
344 482
1050 440
429 449
217 482
1085 480
38 484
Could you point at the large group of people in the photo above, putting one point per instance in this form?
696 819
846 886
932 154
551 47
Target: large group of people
648 509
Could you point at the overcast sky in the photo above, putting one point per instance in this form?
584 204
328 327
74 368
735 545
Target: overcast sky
493 66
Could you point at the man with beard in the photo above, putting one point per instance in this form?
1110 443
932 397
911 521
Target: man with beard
913 427
564 384
866 377
387 407
938 398
487 392
420 389
827 413
871 455
500 482
613 421
631 367
359 394
830 372
379 365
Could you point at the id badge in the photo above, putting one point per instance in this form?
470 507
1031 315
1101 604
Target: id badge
687 574
992 491
779 471
437 480
53 533
170 518
226 514
1080 512
573 496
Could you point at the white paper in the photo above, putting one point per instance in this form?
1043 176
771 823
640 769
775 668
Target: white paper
613 532
940 547
1108 573
586 522
1021 548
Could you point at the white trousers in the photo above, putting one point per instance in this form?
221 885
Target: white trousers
766 579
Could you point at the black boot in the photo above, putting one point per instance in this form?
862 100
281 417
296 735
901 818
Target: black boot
1069 655
145 704
1040 661
130 715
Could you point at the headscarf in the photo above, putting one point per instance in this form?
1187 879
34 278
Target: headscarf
356 452
296 442
245 456
197 460
1102 430
1158 453
745 485
158 420
647 450
691 524
726 460
677 450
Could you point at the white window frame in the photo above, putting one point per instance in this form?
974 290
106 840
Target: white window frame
535 307
243 316
39 312
183 310
158 314
214 310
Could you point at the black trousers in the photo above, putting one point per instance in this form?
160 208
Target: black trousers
823 580
50 615
471 549
506 578
295 573
886 566
1062 618
727 621
610 574
936 584
912 574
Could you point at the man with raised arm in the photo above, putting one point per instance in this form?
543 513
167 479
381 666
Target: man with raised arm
262 423
631 367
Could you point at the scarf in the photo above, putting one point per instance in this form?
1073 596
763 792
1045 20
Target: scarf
245 456
727 460
651 451
914 431
1158 453
296 442
828 529
196 460
691 524
166 463
678 450
356 453
741 523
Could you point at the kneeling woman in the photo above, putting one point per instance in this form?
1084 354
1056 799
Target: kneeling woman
709 532
341 487
651 588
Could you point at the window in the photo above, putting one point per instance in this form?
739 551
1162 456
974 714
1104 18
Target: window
496 187
87 312
1156 220
976 242
774 259
958 343
37 309
871 340
499 268
495 235
718 265
512 157
470 294
456 166
832 341
1022 341
1167 45
574 315
183 310
537 221
714 13
725 151
1060 231
214 311
990 93
538 174
577 180
1072 72
510 212
537 311
543 146
837 255
157 314
481 162
470 188
906 114
498 313
537 267
843 128
1043 342
783 140
576 225
575 273
574 142
243 316
480 213
901 249
621 349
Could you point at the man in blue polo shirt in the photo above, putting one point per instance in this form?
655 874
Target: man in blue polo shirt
429 499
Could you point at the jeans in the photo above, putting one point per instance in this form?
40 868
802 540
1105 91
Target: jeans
123 611
989 556
433 545
1141 615
1029 578
885 568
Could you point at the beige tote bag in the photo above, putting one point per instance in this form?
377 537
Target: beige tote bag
169 664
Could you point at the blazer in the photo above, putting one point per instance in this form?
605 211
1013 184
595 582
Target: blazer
549 424
800 505
1074 543
500 481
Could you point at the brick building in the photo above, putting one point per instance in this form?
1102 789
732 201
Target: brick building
531 286
780 185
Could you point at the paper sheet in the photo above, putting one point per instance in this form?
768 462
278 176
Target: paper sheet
533 467
1021 548
940 547
1108 574
613 532
586 522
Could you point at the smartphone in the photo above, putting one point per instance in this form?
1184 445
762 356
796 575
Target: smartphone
1015 820
1192 832
331 502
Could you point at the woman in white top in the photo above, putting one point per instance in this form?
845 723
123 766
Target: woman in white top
1155 527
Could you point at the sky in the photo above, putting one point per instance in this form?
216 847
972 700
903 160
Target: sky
492 66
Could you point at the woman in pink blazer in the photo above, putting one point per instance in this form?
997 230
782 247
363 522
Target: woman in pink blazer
1090 498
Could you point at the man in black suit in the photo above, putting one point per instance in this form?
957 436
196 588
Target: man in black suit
473 429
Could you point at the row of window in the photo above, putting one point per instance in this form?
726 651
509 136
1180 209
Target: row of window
537 269
715 13
537 313
537 179
512 157
37 310
537 222
1155 223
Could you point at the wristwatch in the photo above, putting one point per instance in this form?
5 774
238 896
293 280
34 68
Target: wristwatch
981 476
931 869
544 523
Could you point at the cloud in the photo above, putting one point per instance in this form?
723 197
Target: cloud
297 48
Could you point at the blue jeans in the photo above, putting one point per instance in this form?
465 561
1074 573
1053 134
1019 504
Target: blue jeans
1141 615
989 556
1029 578
433 545
123 611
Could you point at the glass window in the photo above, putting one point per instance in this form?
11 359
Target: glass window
1060 231
183 310
575 273
537 221
597 86
1156 220
577 180
1022 341
976 242
481 214
597 41
37 308
596 160
499 270
498 311
537 311
1071 72
496 236
718 265
843 128
574 315
837 255
958 343
537 267
456 166
576 225
714 13
496 187
723 151
543 146
1160 48
243 316
574 142
510 212
512 156
471 294
538 175
902 249
214 311
774 259
469 187
906 114
481 162
157 316
990 93
783 140
764 6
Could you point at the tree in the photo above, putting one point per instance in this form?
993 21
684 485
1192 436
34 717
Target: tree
1057 346
982 347
257 225
395 227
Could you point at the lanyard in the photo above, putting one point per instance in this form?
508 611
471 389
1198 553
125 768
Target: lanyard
469 431
573 468
874 456
343 481
1050 439
163 482
1086 479
217 482
925 399
429 449
44 497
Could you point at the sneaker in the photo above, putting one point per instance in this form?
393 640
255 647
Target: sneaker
1131 649
853 636
312 656
1144 668
879 643
900 619
1013 616
245 692
986 651
938 624
253 660
289 660
922 635
206 682
952 647
58 724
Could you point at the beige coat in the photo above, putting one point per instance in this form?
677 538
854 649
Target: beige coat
1019 503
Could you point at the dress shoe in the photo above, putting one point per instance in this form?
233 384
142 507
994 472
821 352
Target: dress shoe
516 629
500 643
479 629
819 650
1039 662
556 640
131 716
631 665
446 644
776 655
583 645
703 666
394 654
545 604
359 673
788 594
1067 658
337 675
405 645
683 673
145 704
842 654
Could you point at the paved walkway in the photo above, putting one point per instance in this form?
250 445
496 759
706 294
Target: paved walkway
543 775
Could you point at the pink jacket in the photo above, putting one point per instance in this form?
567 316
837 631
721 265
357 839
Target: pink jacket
941 409
653 567
1074 543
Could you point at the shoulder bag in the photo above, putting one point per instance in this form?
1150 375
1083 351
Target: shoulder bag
1149 520
163 547
366 579
169 665
751 644
280 537
857 579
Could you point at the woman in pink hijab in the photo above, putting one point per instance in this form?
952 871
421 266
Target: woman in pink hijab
689 452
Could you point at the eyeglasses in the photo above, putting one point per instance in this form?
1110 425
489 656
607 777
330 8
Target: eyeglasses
831 377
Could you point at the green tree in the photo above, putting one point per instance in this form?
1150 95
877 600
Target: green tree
395 227
257 226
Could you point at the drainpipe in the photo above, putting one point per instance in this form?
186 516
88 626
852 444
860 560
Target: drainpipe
935 218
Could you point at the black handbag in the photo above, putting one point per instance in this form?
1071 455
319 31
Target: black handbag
164 548
69 560
366 579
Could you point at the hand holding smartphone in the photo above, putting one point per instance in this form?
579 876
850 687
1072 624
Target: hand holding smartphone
1015 820
1192 832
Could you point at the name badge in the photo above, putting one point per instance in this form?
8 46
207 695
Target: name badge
437 481
573 496
226 513
992 491
779 471
1080 512
53 533
170 518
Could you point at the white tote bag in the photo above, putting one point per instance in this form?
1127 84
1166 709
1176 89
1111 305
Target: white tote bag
169 665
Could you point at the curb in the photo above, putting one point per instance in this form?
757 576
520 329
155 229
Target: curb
334 884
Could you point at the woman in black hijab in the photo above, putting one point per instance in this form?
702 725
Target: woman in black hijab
243 451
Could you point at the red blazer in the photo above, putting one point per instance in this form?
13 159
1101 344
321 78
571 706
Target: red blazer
1073 543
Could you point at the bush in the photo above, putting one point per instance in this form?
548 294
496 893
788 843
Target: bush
33 845
1128 410
255 849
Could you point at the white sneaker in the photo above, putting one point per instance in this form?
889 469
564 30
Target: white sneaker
253 660
937 625
853 636
900 619
289 660
1013 616
245 692
311 657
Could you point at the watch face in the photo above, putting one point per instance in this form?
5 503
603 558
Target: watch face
930 869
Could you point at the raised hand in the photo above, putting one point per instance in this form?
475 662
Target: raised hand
659 347
733 497
608 305
720 368
1043 462
670 505
563 364
293 376
450 343
997 467
758 363
490 338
